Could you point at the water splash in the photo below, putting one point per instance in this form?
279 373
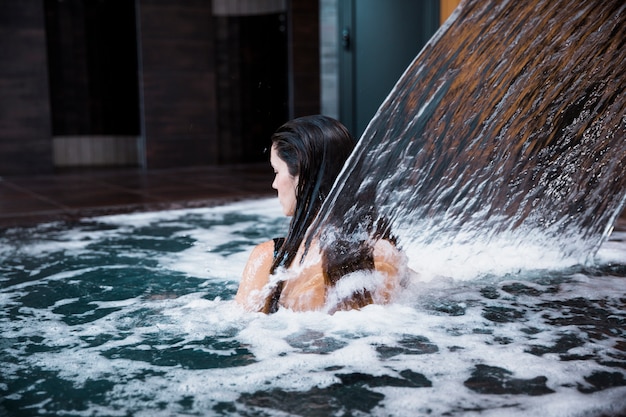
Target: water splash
502 144
133 315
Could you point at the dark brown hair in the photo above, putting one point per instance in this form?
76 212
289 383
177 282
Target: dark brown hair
315 149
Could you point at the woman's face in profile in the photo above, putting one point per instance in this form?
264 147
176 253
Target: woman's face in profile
284 183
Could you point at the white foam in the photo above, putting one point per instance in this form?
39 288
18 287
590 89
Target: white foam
299 351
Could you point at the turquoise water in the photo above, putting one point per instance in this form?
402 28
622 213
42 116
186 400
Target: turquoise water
133 315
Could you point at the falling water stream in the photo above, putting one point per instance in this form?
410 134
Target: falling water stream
508 131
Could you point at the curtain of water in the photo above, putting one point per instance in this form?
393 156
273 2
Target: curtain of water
507 130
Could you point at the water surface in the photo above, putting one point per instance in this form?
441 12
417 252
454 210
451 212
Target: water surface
133 315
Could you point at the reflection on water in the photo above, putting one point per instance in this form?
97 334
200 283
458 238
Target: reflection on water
133 315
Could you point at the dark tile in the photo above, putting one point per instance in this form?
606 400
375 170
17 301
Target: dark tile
15 202
86 192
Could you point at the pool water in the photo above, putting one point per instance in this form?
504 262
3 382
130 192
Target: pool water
133 315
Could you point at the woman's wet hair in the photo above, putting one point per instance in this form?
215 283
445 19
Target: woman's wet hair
315 149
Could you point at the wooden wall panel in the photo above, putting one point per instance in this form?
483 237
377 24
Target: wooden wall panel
178 75
184 94
305 57
446 7
25 136
252 83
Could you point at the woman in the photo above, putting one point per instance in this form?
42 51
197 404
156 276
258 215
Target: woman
307 155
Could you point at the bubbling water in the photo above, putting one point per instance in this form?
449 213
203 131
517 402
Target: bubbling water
134 315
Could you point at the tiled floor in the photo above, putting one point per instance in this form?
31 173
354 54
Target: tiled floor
27 200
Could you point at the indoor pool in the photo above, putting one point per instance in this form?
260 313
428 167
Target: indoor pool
133 315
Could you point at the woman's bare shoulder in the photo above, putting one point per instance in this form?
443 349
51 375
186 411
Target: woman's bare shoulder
262 254
255 276
263 248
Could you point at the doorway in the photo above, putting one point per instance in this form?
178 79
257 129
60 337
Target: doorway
94 93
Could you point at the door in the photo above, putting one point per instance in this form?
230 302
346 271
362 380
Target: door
378 41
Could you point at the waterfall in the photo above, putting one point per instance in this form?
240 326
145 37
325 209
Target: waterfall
501 147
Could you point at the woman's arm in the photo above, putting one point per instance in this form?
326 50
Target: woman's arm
255 276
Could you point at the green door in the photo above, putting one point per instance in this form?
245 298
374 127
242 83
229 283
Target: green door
378 40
